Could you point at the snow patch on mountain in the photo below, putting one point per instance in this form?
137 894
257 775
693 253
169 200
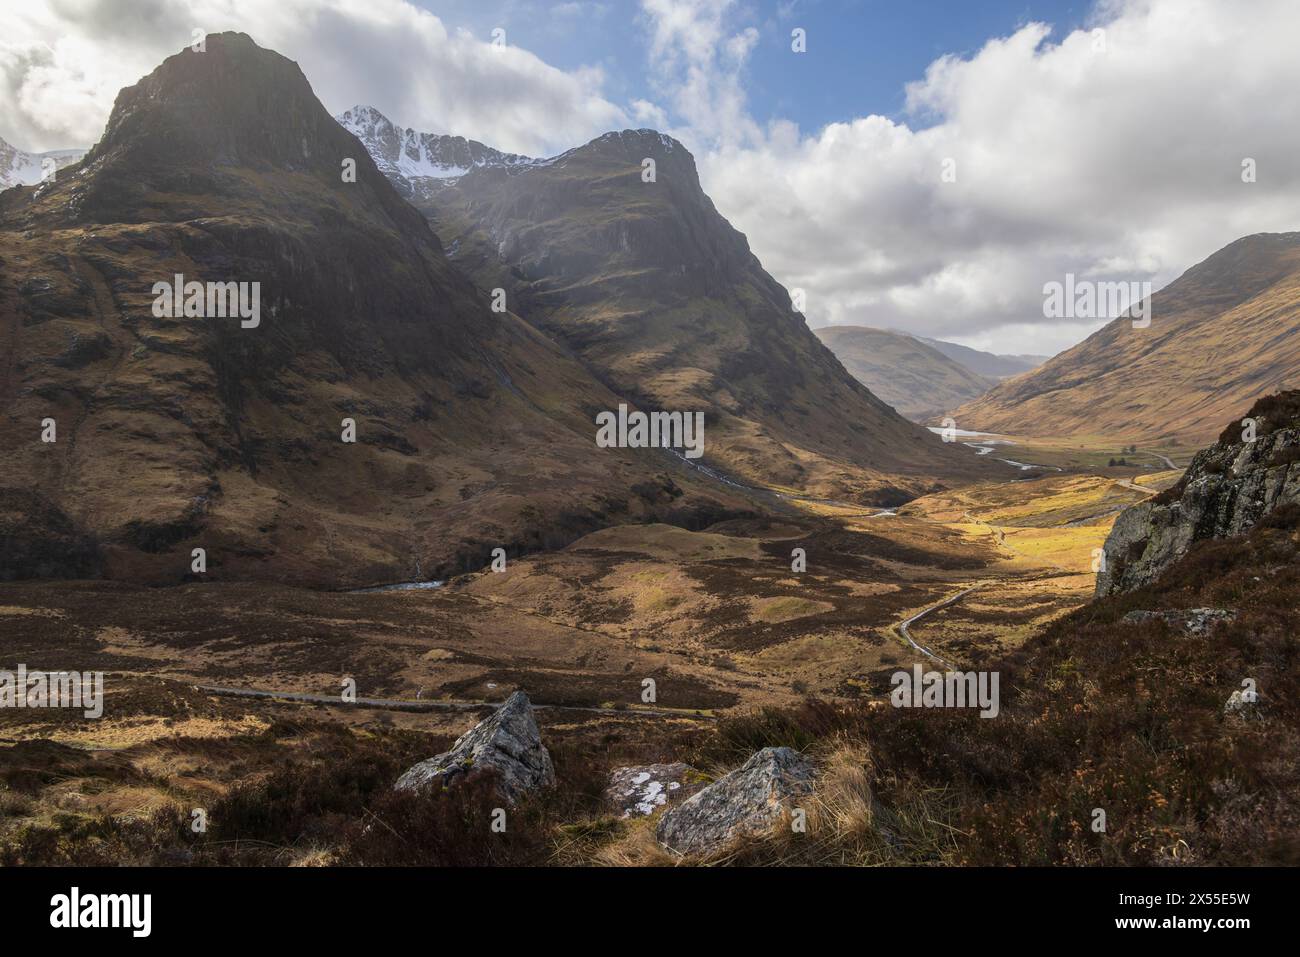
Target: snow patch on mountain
420 162
20 168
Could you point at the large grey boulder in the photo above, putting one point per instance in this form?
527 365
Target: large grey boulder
1228 488
745 803
507 742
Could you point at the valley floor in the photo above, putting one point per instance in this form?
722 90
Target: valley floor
718 622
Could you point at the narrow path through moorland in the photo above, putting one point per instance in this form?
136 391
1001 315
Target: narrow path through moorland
902 627
399 704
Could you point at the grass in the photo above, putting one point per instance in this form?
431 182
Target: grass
1097 713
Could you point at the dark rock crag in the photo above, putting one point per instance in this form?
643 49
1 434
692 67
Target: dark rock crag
1228 488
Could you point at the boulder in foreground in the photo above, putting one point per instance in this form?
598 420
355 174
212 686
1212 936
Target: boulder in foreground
745 803
1228 489
507 743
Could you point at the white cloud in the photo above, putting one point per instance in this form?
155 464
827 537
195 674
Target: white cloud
698 63
62 63
1115 164
649 115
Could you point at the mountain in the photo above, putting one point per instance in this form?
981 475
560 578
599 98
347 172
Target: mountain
917 380
19 168
421 163
987 364
1221 335
174 432
664 301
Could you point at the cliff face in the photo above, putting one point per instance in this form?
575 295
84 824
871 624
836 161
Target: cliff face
1228 488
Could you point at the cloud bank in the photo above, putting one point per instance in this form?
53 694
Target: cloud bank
63 61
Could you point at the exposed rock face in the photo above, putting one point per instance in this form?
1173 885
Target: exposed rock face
508 743
1194 621
746 802
1228 488
640 791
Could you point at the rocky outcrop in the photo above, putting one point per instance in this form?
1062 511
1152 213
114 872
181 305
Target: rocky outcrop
745 803
1228 488
507 744
640 791
1193 621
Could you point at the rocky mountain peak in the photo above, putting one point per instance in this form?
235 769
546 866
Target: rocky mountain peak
640 143
417 163
183 129
232 104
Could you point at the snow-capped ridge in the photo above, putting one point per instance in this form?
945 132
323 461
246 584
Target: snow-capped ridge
420 162
20 168
424 161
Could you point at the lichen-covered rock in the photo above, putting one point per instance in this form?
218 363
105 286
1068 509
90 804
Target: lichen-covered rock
1242 704
745 803
640 791
1193 621
507 743
1228 488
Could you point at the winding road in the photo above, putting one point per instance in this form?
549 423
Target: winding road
398 704
902 626
1169 463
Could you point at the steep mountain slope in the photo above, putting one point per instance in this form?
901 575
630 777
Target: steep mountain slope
18 168
917 380
988 364
664 301
1221 335
472 430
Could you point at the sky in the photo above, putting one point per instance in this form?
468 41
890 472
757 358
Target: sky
923 165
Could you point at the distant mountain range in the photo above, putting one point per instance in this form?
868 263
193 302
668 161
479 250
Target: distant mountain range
986 364
918 380
1221 335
